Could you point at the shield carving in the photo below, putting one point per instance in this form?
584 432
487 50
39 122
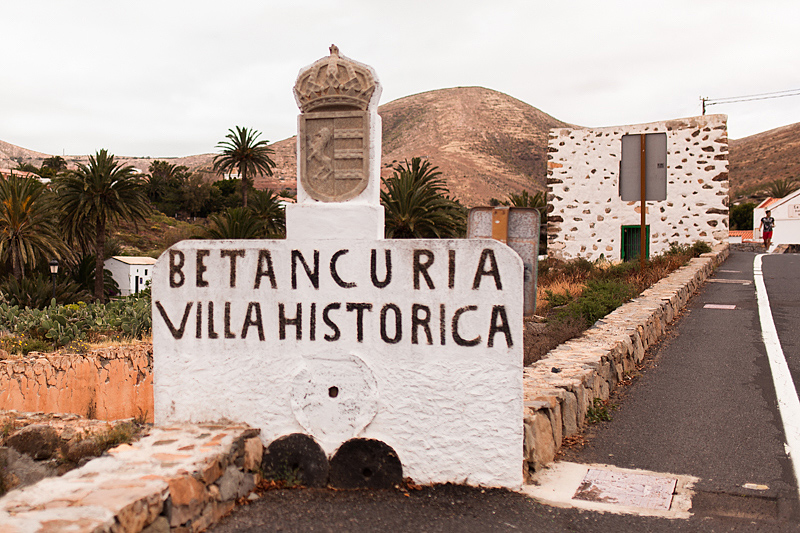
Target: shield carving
334 155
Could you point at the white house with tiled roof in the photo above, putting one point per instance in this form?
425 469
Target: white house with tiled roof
132 274
786 212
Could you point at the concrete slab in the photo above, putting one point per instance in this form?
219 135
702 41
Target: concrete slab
637 490
607 488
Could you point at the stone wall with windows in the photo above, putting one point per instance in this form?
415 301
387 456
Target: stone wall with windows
587 213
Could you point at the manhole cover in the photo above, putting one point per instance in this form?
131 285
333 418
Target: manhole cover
635 490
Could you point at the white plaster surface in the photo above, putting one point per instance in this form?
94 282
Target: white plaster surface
453 413
125 270
318 220
583 182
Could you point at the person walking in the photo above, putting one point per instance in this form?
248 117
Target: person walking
768 224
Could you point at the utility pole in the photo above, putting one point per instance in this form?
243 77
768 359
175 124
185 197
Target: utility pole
643 205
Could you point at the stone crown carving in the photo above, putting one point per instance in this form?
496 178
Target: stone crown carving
335 81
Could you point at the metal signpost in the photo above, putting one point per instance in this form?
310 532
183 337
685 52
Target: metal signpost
643 175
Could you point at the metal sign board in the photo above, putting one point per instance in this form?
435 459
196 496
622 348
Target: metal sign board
630 167
518 227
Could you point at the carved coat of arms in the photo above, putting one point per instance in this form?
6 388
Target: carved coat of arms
334 96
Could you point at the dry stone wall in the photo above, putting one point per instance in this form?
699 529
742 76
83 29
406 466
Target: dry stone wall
108 383
583 188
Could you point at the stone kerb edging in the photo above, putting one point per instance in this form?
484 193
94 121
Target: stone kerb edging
176 479
560 388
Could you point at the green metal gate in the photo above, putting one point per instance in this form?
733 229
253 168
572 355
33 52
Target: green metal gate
631 242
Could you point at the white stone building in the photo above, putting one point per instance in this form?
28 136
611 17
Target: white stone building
132 274
786 212
589 219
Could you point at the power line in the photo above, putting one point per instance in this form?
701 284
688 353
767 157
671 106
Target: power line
735 99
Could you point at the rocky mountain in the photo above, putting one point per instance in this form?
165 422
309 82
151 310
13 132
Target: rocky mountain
486 144
759 159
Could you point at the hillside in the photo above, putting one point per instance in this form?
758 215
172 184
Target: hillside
764 157
486 143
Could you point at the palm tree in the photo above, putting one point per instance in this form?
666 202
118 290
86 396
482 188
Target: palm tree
28 231
782 188
95 196
246 154
164 177
235 223
267 206
418 205
537 201
55 162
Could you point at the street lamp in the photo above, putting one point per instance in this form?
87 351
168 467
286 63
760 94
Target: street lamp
53 272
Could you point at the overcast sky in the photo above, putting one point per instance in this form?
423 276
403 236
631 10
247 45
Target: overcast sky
170 77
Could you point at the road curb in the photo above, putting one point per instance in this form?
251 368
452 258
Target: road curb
560 388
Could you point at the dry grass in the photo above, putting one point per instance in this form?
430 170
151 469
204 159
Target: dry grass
99 342
561 287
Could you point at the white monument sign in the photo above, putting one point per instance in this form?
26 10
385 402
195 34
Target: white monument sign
339 334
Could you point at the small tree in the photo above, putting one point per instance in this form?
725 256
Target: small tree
243 152
741 216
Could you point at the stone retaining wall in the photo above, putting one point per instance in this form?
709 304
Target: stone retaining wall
108 383
756 247
179 479
560 388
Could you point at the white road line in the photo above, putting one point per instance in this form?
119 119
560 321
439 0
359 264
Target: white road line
788 402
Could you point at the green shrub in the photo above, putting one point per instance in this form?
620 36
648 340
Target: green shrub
599 411
694 250
699 248
24 345
36 290
599 298
557 299
64 325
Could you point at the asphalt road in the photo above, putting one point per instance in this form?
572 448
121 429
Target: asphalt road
705 403
782 278
702 405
